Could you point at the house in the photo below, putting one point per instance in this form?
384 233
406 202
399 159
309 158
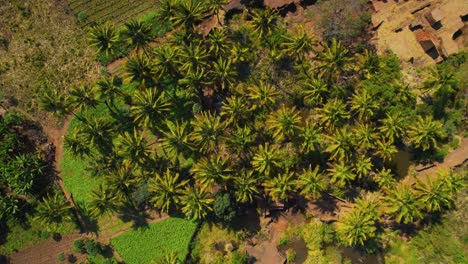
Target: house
434 16
427 40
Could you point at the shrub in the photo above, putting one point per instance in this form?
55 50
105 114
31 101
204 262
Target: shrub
82 17
290 255
44 234
223 208
79 246
239 258
61 257
92 248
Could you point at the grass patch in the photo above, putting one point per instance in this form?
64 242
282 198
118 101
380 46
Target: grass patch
151 243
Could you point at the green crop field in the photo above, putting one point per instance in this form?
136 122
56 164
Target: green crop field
151 243
115 11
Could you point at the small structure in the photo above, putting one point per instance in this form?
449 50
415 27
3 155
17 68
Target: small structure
434 16
427 40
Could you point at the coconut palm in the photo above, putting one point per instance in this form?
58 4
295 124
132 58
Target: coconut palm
365 135
150 107
311 182
284 123
137 35
103 201
224 73
83 97
139 69
300 44
367 64
434 194
309 137
53 211
454 181
54 102
394 125
362 166
363 104
108 89
356 227
385 149
76 144
341 174
214 6
402 203
264 21
166 10
263 96
98 132
218 42
441 82
210 171
280 186
176 140
333 113
315 91
167 190
234 109
195 81
341 144
164 63
245 186
241 140
188 14
134 147
196 203
122 181
385 179
208 131
425 132
104 38
193 57
266 159
333 60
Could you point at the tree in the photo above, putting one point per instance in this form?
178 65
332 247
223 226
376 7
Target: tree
300 44
367 64
341 174
285 123
434 194
211 171
315 92
341 144
134 147
280 186
311 182
188 13
23 171
266 159
263 96
214 6
97 132
176 140
245 186
441 82
83 97
402 203
193 58
333 60
208 131
103 201
362 166
234 109
309 137
164 63
196 203
385 179
425 132
122 181
218 42
393 125
139 69
365 135
137 34
224 73
385 149
363 104
166 10
167 190
264 21
104 38
108 89
150 107
223 208
54 102
333 113
53 211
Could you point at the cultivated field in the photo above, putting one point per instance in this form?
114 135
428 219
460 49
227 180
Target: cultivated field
116 11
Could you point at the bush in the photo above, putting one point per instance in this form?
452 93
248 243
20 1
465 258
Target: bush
44 234
239 258
223 208
79 246
61 257
290 255
93 248
82 17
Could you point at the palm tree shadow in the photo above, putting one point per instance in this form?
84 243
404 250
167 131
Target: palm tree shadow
326 204
91 224
299 205
139 219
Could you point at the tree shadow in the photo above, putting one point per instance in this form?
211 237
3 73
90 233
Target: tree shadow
139 219
247 219
91 224
326 204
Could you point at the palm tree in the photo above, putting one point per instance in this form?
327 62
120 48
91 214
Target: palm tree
241 141
341 144
245 186
215 5
385 149
266 159
53 211
285 123
441 82
333 113
341 174
264 21
224 73
75 143
262 95
393 125
108 89
103 201
402 203
433 194
311 182
315 92
208 131
218 42
166 10
188 14
164 63
98 133
365 135
138 35
167 190
134 147
54 102
367 64
356 227
193 57
300 44
168 258
176 140
333 60
104 38
425 132
362 166
150 108
454 181
234 109
280 186
83 97
309 137
139 69
196 203
122 181
210 171
195 81
385 179
364 104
